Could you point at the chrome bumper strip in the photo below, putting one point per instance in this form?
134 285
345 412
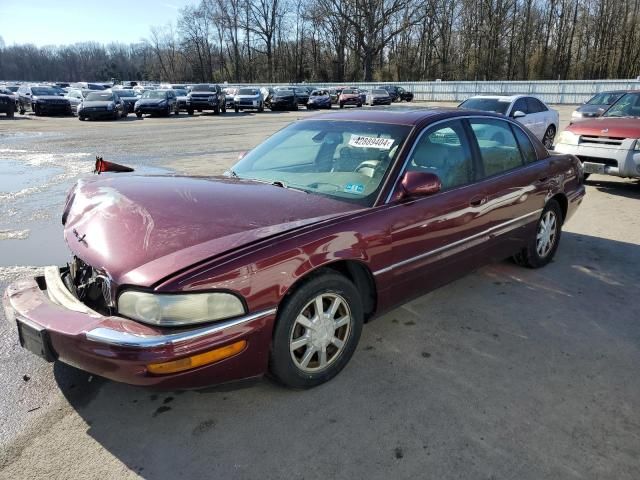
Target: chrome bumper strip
131 340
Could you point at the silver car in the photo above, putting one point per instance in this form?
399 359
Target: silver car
248 99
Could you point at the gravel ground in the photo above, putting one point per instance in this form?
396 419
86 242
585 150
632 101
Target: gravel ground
507 373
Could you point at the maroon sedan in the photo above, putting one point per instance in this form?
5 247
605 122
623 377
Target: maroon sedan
183 282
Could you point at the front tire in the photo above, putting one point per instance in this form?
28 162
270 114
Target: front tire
139 115
544 243
549 137
317 331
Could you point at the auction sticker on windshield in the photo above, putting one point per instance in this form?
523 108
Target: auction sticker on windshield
371 142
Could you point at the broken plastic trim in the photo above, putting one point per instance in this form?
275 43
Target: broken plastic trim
105 166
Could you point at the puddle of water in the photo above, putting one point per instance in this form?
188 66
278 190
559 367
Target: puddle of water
16 176
44 246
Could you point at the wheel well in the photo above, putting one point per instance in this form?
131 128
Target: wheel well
356 272
564 204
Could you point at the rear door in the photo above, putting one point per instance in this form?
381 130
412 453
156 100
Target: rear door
516 183
538 113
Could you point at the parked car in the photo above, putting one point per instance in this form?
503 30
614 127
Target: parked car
596 105
230 93
349 97
378 96
75 97
88 86
206 96
284 100
181 98
12 94
320 98
397 94
157 102
248 99
365 211
529 111
105 104
129 97
609 145
7 103
302 95
41 100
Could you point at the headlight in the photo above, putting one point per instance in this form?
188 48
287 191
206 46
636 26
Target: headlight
568 138
637 146
576 114
175 310
163 103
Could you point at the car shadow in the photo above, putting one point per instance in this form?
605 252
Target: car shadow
15 117
434 374
620 187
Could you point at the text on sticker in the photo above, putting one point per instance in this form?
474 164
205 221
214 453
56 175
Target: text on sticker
370 142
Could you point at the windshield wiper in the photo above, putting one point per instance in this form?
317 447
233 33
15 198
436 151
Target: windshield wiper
281 184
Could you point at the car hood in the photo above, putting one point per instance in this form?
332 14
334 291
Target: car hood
141 229
151 101
48 97
617 127
96 103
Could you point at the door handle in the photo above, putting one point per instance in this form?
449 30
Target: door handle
477 201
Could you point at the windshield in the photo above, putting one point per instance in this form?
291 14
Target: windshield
126 93
345 160
284 93
379 92
627 106
13 89
605 98
486 104
99 97
43 91
153 94
347 92
180 92
203 88
319 93
248 91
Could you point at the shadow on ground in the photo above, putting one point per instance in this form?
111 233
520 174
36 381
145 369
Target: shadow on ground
506 373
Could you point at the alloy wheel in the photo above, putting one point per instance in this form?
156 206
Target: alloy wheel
547 233
320 332
548 138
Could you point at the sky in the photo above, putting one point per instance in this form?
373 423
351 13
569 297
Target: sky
60 22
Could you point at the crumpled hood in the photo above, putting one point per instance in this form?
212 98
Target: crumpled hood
141 229
617 127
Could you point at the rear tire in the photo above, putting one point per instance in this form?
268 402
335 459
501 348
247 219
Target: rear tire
236 109
10 113
216 111
325 339
139 115
544 243
190 111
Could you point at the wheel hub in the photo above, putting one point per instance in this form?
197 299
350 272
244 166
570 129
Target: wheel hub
321 337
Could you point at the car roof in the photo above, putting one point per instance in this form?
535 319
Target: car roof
401 116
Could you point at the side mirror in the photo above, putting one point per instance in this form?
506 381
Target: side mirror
519 114
420 184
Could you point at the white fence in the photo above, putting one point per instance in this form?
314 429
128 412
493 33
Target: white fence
549 91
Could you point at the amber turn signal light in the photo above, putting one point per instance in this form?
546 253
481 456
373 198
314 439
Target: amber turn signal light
198 360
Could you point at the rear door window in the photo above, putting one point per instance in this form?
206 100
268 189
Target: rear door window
498 147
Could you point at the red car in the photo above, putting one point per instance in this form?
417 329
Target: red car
350 96
181 282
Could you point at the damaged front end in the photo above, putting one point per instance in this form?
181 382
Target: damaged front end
92 287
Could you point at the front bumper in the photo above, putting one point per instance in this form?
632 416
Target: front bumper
150 109
381 101
120 349
351 101
53 108
96 113
618 160
202 103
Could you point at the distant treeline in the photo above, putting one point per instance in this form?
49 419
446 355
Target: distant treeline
359 40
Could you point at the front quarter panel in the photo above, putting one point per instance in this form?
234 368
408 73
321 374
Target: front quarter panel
263 273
